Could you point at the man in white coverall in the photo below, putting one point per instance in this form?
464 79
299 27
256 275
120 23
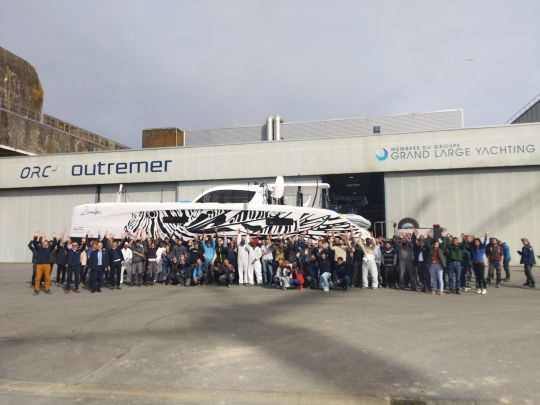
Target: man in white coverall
245 252
256 262
369 264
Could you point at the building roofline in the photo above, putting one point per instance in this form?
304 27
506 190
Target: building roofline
279 142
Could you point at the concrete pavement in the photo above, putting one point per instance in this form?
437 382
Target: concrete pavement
167 344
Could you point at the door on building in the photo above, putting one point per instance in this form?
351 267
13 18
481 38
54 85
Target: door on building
358 193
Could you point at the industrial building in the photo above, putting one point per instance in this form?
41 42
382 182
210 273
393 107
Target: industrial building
425 166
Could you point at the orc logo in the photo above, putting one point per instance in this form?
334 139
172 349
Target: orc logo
381 154
39 172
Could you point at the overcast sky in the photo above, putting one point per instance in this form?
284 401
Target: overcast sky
115 67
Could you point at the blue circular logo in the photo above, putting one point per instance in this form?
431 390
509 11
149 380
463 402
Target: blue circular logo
382 154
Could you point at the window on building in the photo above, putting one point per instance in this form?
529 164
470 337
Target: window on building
227 196
376 129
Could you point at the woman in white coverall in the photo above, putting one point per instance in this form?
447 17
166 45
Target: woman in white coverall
245 253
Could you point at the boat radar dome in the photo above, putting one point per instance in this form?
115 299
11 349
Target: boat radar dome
279 187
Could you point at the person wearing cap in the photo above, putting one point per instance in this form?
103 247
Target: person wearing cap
528 261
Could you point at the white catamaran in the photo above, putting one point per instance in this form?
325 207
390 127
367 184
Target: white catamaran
265 209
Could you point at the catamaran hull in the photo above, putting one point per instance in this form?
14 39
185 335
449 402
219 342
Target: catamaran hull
186 220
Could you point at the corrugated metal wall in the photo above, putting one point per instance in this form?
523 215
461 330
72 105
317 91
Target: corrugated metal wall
49 209
388 124
532 114
470 201
411 122
154 192
25 211
225 136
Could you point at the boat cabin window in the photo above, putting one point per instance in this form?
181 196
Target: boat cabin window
227 196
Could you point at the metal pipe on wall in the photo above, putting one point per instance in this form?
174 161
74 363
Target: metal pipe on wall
277 128
269 129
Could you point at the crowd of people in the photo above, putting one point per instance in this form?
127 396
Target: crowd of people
408 261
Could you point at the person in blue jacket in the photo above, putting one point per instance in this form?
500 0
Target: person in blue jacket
198 273
97 262
528 261
209 254
506 260
43 249
73 260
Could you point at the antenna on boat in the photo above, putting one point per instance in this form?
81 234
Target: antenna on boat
279 188
121 194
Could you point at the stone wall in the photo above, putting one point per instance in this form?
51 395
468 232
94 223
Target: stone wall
25 134
24 127
19 82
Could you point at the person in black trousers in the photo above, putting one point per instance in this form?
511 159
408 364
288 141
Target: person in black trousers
97 262
60 260
73 260
422 260
116 257
31 246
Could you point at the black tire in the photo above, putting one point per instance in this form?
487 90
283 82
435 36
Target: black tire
408 223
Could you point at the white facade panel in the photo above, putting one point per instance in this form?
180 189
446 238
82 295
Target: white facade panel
500 200
146 192
225 136
511 145
22 212
363 126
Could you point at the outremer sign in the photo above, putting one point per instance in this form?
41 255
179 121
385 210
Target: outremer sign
500 146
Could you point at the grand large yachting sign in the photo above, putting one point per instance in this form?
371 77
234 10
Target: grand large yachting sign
451 150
